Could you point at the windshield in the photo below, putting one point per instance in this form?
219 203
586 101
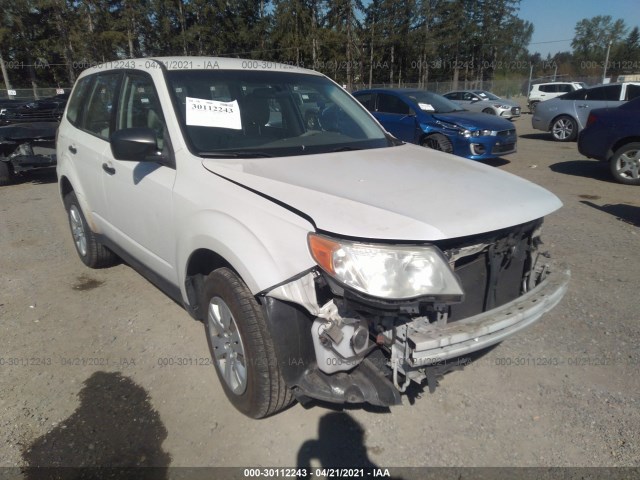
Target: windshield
484 94
237 113
434 103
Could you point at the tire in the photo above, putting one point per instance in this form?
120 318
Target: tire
625 164
92 253
241 346
564 129
437 141
489 111
533 106
6 173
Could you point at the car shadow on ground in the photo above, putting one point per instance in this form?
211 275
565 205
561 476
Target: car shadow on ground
114 428
538 136
622 211
584 168
496 162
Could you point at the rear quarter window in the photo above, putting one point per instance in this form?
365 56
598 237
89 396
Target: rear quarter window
77 100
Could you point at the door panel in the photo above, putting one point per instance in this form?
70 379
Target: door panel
140 194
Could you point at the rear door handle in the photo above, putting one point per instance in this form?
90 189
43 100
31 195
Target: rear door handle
108 169
73 149
583 106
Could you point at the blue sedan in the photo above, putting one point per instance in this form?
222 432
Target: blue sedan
430 120
613 135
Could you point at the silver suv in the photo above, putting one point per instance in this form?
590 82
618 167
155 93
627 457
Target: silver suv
546 91
326 259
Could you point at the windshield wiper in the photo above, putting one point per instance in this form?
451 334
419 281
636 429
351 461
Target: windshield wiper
234 154
345 149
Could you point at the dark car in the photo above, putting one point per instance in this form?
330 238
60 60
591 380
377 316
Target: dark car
613 135
42 110
430 120
26 147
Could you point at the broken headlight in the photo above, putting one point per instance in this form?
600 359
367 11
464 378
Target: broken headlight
393 272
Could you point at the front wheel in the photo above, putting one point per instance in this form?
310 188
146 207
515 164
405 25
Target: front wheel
564 129
625 164
92 253
241 347
437 141
490 111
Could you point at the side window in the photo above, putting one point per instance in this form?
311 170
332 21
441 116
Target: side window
391 104
545 88
100 106
368 101
139 106
565 88
611 92
78 99
632 92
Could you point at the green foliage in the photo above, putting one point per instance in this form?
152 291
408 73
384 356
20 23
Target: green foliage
49 42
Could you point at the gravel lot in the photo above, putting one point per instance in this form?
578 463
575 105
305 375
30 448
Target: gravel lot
82 379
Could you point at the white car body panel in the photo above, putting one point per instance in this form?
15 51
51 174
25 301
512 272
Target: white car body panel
427 195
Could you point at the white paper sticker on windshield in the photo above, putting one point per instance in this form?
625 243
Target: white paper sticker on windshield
211 113
427 107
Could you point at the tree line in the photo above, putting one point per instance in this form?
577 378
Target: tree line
356 42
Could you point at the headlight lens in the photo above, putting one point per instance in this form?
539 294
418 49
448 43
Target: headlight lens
394 272
481 133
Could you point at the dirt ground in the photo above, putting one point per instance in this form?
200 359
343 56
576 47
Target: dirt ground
100 367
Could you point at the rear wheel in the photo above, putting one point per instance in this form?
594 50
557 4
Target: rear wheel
625 164
6 173
92 253
533 106
437 141
564 129
241 346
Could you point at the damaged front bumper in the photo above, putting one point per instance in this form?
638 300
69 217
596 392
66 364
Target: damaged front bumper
436 343
382 370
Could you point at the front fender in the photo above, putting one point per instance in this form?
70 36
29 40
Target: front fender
262 257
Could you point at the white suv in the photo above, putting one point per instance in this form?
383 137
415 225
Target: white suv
546 91
327 259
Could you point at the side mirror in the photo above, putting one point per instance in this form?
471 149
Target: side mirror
135 144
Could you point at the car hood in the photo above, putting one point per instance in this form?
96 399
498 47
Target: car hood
396 193
475 120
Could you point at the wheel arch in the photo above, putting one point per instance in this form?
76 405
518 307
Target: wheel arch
620 143
564 114
65 186
223 241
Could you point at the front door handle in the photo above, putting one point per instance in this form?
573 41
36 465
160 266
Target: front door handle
73 149
108 169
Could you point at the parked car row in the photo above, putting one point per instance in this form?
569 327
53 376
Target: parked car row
605 119
485 102
541 92
432 120
566 116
